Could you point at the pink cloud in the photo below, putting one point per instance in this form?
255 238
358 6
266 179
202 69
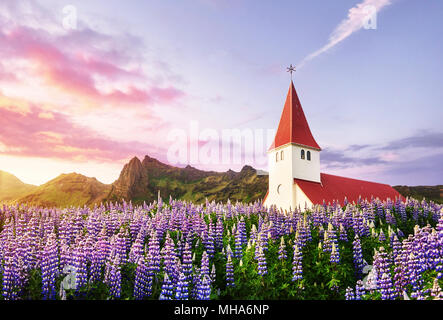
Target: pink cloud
74 69
6 75
33 135
70 70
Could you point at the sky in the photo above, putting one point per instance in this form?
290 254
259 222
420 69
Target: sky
87 85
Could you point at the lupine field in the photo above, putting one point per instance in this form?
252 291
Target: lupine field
179 251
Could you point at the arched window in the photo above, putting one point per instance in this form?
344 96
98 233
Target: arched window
276 157
281 155
308 155
302 155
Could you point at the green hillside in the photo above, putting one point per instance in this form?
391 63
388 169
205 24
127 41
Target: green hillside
141 181
11 187
67 190
434 193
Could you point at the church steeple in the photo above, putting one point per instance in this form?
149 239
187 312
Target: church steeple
293 127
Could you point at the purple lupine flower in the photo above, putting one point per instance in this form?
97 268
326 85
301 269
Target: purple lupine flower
187 262
253 235
229 273
282 250
177 268
262 268
402 209
195 280
137 249
300 234
297 265
382 237
167 289
390 218
384 281
358 257
238 245
359 290
169 254
49 268
229 252
10 283
343 234
263 237
204 288
396 246
329 238
242 230
335 254
181 291
114 278
79 263
209 244
120 244
204 266
153 255
349 295
400 233
142 283
219 234
99 256
415 213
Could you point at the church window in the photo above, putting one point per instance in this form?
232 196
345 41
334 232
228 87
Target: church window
281 155
278 188
308 155
302 155
276 157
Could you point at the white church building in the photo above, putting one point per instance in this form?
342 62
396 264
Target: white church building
295 180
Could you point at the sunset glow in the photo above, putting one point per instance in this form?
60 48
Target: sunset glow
89 99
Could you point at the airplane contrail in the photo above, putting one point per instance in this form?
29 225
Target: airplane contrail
355 21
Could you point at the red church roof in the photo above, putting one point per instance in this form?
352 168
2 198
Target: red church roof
337 188
293 127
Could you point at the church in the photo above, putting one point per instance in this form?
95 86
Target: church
295 180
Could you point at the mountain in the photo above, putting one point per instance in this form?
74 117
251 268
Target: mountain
141 180
434 193
66 190
11 187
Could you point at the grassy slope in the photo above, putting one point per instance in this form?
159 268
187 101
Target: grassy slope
246 188
67 190
434 193
12 188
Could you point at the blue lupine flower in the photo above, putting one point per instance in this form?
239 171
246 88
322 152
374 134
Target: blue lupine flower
282 250
297 267
181 291
204 288
349 295
335 254
358 257
167 289
229 273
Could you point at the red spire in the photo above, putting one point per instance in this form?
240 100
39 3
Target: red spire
293 127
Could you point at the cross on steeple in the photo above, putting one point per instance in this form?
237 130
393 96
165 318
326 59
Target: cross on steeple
290 69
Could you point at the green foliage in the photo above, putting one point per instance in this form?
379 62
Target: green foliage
322 280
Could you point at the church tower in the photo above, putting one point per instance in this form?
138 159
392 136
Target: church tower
294 154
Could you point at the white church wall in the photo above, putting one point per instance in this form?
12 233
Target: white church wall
281 182
301 200
303 168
